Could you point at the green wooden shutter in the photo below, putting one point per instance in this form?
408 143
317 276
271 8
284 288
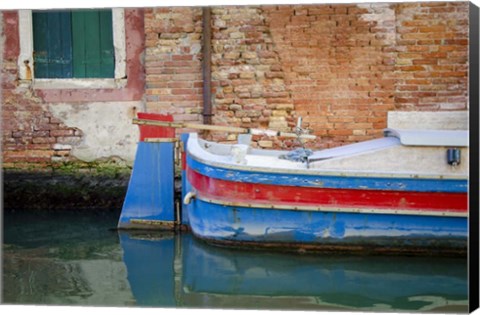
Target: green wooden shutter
93 54
52 44
76 44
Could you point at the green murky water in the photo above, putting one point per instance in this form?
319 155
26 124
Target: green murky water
78 259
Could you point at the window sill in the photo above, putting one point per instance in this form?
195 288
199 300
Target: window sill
44 84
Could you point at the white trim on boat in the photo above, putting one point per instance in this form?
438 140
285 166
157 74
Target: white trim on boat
334 209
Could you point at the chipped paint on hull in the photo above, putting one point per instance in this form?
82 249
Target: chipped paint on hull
444 203
331 181
326 231
238 207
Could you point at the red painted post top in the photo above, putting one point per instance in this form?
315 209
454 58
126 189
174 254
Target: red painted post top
155 131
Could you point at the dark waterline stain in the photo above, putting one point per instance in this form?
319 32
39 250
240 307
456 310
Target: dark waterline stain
60 258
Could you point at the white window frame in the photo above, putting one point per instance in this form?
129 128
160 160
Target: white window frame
25 59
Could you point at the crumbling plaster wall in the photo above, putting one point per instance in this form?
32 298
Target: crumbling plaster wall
50 126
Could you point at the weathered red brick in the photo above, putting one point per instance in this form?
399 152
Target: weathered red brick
61 133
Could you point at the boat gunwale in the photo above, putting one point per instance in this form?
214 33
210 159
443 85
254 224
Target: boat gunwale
194 141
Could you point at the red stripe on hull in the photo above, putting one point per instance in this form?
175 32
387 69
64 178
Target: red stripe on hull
312 196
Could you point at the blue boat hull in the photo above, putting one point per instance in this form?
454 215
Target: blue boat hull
326 231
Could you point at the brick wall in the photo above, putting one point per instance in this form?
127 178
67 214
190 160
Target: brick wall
247 70
341 67
173 62
338 66
432 56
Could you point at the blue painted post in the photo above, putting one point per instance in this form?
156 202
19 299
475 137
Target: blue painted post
186 187
149 203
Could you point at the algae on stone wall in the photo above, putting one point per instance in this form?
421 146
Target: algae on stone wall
68 186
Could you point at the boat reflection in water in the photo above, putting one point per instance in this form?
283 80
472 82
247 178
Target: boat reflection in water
177 270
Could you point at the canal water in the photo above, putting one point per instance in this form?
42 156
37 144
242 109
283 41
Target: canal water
80 259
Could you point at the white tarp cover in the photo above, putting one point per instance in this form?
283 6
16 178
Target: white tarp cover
352 149
430 138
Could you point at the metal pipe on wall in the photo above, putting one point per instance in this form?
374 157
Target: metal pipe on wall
207 66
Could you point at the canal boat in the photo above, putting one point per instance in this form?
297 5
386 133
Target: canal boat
403 193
